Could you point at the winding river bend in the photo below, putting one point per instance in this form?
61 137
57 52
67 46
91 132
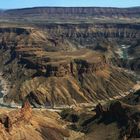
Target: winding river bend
5 89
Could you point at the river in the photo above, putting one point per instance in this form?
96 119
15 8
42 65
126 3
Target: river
5 87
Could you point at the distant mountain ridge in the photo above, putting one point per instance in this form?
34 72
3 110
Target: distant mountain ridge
74 12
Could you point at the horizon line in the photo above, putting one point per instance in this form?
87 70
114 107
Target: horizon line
69 7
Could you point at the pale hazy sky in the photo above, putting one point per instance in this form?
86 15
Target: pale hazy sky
7 4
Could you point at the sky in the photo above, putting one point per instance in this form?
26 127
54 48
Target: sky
11 4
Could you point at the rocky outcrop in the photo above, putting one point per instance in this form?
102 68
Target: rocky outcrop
27 124
127 117
26 111
120 119
8 121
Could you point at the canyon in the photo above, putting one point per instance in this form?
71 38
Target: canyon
69 73
57 71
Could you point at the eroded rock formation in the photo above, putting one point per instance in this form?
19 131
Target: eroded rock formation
57 77
127 117
27 124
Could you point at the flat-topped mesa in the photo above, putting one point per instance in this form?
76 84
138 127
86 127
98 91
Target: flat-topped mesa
65 63
74 12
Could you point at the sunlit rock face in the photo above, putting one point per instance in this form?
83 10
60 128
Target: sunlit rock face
70 61
29 124
42 70
73 61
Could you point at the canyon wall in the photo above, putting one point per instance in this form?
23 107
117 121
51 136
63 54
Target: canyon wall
57 77
79 12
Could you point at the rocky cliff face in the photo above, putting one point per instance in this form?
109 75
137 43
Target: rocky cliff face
68 75
116 120
120 119
89 34
108 38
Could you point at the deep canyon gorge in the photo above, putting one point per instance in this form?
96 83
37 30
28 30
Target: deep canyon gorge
70 73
